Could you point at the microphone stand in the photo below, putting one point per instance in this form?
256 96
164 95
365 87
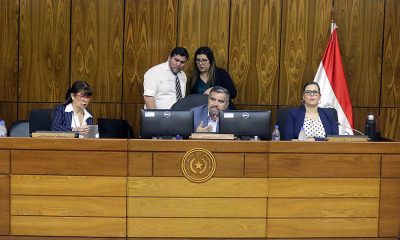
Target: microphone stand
354 130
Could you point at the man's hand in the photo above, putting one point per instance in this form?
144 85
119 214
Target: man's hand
200 128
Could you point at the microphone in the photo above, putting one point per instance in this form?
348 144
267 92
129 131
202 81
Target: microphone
354 130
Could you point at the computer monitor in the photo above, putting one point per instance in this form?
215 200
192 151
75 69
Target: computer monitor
246 124
166 124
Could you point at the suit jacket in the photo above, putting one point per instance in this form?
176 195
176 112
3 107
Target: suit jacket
200 113
62 120
295 121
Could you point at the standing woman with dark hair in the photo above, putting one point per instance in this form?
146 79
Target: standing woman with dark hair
72 114
206 74
317 122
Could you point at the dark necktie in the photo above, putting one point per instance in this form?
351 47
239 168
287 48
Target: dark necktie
178 89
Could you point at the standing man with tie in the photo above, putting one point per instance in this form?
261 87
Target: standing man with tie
165 83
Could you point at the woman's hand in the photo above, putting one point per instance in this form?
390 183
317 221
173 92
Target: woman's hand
83 130
207 92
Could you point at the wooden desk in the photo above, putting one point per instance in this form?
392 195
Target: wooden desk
136 189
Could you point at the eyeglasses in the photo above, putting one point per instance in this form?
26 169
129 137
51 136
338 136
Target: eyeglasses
311 92
83 97
203 61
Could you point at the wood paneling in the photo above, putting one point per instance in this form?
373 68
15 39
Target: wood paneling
390 122
254 50
323 187
72 185
4 205
9 14
229 165
391 166
44 51
140 164
198 207
204 23
391 56
69 163
68 226
181 187
305 33
389 213
335 227
361 53
167 164
321 165
4 162
150 35
68 206
25 108
97 46
8 112
256 165
323 207
189 227
131 112
106 110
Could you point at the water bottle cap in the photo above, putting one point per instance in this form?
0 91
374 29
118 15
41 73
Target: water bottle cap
2 122
276 126
371 117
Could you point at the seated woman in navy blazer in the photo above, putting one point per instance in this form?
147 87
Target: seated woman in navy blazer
317 122
72 114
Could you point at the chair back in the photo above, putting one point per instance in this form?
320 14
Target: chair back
190 101
114 128
19 128
40 120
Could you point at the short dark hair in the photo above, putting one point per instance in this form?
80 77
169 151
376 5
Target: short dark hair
180 51
311 83
219 89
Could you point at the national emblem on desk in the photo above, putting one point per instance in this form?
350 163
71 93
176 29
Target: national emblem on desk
198 165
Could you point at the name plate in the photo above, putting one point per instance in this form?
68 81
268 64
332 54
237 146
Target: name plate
347 138
55 134
212 136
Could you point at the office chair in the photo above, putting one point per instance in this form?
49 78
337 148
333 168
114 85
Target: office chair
190 101
40 120
19 128
114 128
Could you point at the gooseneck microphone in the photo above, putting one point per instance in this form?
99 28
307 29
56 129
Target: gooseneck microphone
354 130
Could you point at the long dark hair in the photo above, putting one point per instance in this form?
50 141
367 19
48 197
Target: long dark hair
78 87
196 73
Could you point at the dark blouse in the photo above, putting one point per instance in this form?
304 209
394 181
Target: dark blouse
222 78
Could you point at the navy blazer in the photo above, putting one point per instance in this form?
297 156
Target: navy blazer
295 121
62 120
200 113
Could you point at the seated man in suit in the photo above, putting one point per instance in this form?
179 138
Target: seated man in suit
206 116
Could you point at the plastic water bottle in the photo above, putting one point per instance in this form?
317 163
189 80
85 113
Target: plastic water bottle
3 129
302 135
276 135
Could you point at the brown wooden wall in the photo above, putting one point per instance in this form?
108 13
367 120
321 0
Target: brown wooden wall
270 47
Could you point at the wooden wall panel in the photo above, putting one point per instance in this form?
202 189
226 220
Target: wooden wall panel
97 46
390 166
4 205
140 164
181 187
25 108
131 112
256 165
390 123
8 112
68 226
61 163
9 14
189 227
44 49
4 162
361 53
389 212
204 23
106 110
305 33
198 207
150 35
391 56
332 165
254 50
